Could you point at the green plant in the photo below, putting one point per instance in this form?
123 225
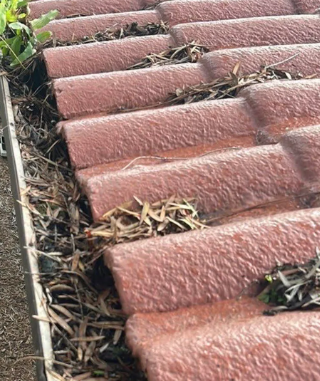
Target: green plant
18 37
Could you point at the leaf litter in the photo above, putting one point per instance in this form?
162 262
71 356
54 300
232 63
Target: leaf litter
292 287
229 86
86 321
188 53
110 34
225 87
83 307
139 220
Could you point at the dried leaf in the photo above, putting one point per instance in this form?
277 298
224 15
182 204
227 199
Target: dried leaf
87 339
75 261
117 336
61 287
58 320
144 211
163 225
64 311
155 216
236 68
138 200
176 223
82 377
89 351
284 279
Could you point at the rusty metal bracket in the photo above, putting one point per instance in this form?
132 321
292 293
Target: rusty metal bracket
36 300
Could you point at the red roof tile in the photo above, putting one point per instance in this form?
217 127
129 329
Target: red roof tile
213 124
144 328
206 266
69 8
215 35
219 181
79 27
173 12
253 156
284 347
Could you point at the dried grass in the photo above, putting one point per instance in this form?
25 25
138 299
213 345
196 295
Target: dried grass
188 53
292 287
229 86
220 88
141 220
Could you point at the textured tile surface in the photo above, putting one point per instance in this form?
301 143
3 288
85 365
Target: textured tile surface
248 160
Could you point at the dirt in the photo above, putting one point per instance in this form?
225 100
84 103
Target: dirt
15 332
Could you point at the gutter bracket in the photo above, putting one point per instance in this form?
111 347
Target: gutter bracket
3 150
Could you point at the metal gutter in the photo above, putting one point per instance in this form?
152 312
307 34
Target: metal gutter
36 299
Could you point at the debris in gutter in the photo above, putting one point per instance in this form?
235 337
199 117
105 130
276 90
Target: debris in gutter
292 287
85 314
87 323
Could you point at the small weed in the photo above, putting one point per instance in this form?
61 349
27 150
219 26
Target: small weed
18 36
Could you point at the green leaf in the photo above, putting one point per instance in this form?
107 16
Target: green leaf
14 5
16 46
265 298
22 16
268 278
3 18
98 373
5 51
43 36
22 3
11 16
27 53
19 26
44 20
7 42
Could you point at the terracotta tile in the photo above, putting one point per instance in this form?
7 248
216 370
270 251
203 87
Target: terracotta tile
110 92
248 161
194 268
151 132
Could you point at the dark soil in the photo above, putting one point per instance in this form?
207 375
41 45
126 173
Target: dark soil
15 331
